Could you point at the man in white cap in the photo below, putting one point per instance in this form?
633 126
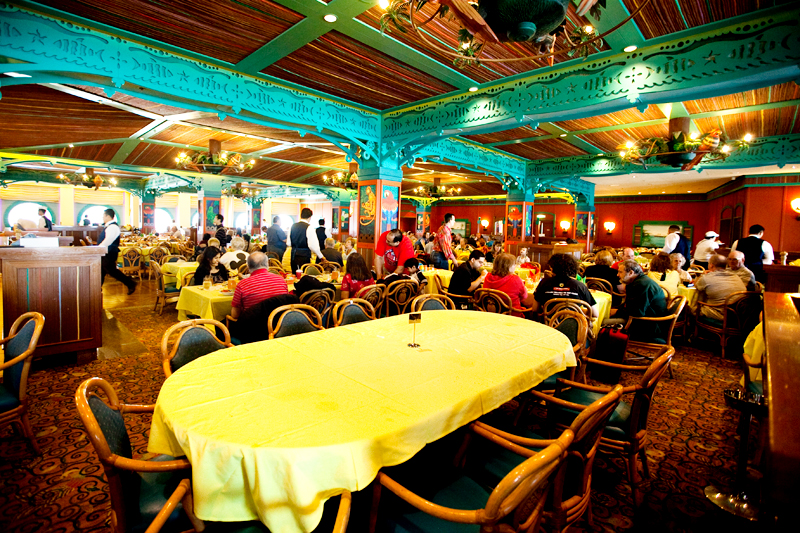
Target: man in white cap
705 249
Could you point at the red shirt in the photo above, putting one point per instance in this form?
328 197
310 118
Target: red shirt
353 286
443 242
394 255
258 287
511 285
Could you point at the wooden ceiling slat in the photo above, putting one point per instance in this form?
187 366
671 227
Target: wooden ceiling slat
101 152
626 116
776 93
153 155
543 149
178 133
228 30
341 66
249 128
764 123
659 17
609 141
147 105
35 115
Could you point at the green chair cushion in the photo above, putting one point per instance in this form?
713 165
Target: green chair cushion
710 321
235 341
194 343
756 387
12 376
488 463
7 400
170 287
460 493
154 490
617 426
550 382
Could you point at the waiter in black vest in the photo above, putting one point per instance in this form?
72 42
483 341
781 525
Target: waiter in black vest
44 222
757 252
109 237
676 243
303 240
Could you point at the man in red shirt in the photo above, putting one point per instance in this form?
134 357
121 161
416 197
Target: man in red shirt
442 244
392 252
261 285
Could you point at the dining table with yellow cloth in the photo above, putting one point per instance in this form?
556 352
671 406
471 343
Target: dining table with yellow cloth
145 253
274 429
603 300
690 293
444 276
206 303
174 272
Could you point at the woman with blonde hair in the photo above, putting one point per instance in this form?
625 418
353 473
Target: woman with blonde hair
349 248
503 279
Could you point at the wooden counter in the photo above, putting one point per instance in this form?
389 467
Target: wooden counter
782 388
79 232
541 252
64 285
782 278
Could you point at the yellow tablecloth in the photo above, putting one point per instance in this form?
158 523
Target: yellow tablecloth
444 275
690 293
273 429
603 300
203 303
174 272
145 253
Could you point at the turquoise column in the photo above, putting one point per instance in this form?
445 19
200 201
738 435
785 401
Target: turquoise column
209 204
378 207
148 212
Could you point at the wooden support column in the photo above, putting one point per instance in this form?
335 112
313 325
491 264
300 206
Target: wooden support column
520 226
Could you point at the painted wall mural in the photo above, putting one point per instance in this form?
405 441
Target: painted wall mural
367 206
514 227
390 208
211 209
255 221
335 221
420 223
148 215
345 219
581 225
528 221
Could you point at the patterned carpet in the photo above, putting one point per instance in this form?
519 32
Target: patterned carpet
691 445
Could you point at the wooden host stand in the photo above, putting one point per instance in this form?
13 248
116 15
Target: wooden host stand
64 285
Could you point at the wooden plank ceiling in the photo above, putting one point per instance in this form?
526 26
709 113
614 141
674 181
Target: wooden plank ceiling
340 63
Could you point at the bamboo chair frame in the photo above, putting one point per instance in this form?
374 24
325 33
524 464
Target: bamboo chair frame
419 301
132 270
641 345
18 416
112 462
166 258
516 489
483 298
636 442
735 315
456 298
182 327
313 316
587 428
374 294
161 295
400 293
338 309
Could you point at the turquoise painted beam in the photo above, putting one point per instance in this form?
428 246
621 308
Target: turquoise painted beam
63 145
81 51
130 145
739 54
473 156
296 37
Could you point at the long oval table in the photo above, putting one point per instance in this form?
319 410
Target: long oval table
273 429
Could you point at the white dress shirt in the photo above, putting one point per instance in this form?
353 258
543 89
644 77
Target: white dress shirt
112 232
705 249
670 242
311 237
769 254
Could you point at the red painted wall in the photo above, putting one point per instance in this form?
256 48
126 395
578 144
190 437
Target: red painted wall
627 215
469 211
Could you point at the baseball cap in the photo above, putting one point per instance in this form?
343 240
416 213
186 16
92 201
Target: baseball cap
710 234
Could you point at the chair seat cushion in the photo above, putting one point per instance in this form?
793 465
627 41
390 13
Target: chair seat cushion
617 427
550 382
171 288
155 489
488 463
756 387
7 400
460 493
710 321
235 341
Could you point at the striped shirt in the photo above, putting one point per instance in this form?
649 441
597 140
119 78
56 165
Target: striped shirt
442 242
261 285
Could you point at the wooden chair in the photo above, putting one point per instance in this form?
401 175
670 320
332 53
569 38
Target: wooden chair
626 432
311 269
275 263
635 347
273 255
399 294
172 258
514 505
293 319
581 270
554 305
373 294
18 349
494 301
132 262
194 340
165 293
187 280
432 302
157 254
740 312
572 487
328 266
599 284
461 302
166 478
352 311
243 270
278 271
321 300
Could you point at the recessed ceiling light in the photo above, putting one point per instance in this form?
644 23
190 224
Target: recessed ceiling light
383 3
330 17
663 192
630 48
72 146
563 135
640 193
688 191
17 75
473 89
601 155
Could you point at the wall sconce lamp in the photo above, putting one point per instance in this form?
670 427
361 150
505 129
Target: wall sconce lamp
485 223
609 227
565 225
796 207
